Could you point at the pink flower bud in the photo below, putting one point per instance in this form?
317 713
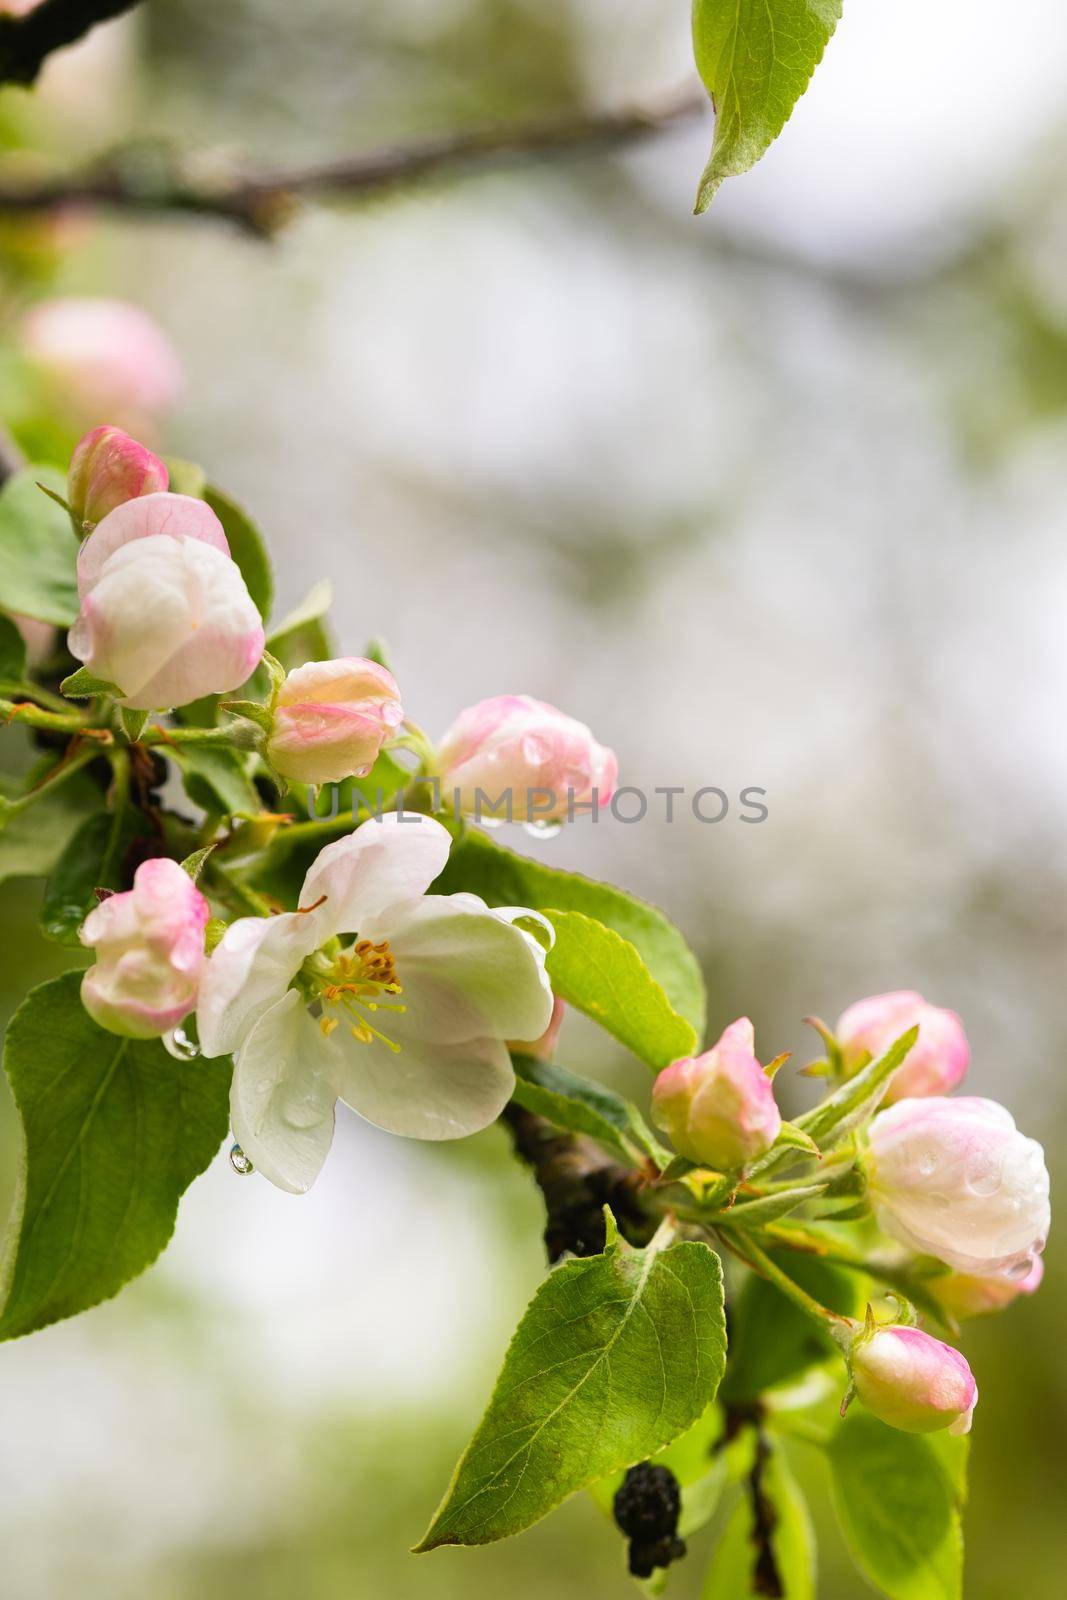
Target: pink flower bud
719 1108
149 945
514 746
912 1381
936 1062
108 468
957 1180
965 1294
332 718
104 358
165 613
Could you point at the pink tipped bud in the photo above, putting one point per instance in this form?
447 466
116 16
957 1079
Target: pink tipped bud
332 718
957 1180
165 614
967 1294
108 468
530 760
912 1381
149 945
936 1062
719 1108
103 358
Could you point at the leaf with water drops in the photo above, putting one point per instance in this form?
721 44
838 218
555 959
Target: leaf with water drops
113 1132
615 1356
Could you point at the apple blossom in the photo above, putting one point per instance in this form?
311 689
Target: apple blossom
165 614
331 719
108 468
394 1001
719 1107
913 1381
149 945
954 1178
936 1062
104 357
514 747
967 1294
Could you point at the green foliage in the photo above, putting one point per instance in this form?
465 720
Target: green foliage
600 972
775 1557
579 1106
81 685
38 549
12 652
898 1508
503 878
216 777
95 858
32 841
756 58
113 1132
857 1099
305 635
759 1361
246 547
615 1356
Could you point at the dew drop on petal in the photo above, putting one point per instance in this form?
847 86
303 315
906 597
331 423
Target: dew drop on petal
240 1162
543 829
984 1175
178 1044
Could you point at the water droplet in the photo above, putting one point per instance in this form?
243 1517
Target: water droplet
491 822
542 828
240 1162
302 1110
928 1164
178 1044
984 1175
1019 1270
536 750
392 713
363 772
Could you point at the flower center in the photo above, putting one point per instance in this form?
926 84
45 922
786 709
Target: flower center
357 985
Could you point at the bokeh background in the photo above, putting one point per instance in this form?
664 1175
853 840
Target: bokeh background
770 498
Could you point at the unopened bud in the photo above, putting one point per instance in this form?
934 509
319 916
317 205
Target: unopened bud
913 1381
935 1063
108 468
332 718
719 1107
149 945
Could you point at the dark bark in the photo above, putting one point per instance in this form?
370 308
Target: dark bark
26 42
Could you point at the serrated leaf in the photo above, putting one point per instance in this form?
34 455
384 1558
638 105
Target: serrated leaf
736 1572
758 1362
616 1355
756 58
698 1463
246 548
581 1106
38 550
215 777
897 1507
114 1130
503 878
769 1207
12 652
596 969
32 841
94 859
194 864
81 685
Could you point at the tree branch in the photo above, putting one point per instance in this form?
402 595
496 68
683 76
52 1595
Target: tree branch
26 41
144 181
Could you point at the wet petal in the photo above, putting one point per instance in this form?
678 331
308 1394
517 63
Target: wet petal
379 863
248 972
426 1090
283 1096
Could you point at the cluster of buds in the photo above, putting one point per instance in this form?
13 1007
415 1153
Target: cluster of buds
951 1178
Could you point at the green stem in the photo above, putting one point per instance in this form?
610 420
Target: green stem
160 735
252 901
21 711
35 691
839 1328
59 774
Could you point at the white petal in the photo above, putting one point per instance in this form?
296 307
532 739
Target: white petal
378 863
283 1096
465 972
426 1090
249 971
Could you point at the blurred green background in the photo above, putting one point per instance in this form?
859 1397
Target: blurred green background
774 498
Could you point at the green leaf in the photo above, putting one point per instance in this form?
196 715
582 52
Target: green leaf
95 858
81 685
250 709
790 1538
133 723
769 1207
600 972
32 841
38 550
857 1099
759 1361
503 878
12 652
215 777
698 1461
304 635
246 547
616 1355
897 1508
756 58
580 1106
186 477
113 1133
194 864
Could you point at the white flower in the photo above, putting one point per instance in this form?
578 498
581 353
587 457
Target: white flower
395 1002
